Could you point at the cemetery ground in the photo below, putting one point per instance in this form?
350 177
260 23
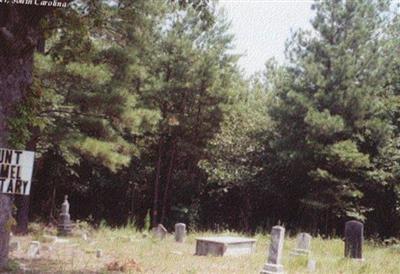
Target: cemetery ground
106 250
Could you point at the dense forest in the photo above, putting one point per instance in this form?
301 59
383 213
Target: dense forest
138 110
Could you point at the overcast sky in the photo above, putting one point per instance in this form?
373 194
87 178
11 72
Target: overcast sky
261 28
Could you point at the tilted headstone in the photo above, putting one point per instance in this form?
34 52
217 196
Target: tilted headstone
64 220
33 249
354 238
160 231
273 264
303 245
180 232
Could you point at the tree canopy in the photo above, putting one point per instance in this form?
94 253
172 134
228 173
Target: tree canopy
139 108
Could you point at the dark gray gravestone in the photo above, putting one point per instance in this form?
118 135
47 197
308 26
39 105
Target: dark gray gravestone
354 238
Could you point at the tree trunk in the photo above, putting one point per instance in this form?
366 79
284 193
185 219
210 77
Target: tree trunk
168 183
52 217
5 218
157 185
22 203
18 37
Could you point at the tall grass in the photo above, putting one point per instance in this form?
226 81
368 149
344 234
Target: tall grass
129 246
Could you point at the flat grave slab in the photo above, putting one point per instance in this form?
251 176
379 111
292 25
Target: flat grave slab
224 246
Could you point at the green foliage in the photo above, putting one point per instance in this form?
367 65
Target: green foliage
147 222
332 125
12 266
139 110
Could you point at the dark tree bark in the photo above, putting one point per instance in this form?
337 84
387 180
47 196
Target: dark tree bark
154 220
22 203
168 184
19 33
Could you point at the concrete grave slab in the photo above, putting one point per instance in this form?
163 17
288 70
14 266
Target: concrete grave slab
224 246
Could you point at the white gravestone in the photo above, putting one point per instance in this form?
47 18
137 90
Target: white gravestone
303 245
180 232
311 265
33 249
160 232
274 264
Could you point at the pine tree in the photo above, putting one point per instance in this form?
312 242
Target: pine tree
329 112
232 161
192 72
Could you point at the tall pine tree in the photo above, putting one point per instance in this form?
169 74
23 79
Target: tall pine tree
332 127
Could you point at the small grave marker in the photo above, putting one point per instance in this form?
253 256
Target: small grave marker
99 253
160 232
311 265
180 232
33 249
303 245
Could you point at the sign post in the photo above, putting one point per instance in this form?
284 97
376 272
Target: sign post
16 168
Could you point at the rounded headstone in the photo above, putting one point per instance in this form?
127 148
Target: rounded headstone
354 238
180 232
65 205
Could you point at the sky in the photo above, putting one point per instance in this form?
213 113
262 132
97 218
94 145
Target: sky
261 28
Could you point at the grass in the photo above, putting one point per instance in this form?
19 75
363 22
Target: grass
127 250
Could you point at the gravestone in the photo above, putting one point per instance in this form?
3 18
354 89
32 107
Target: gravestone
64 220
354 238
180 232
303 245
311 265
84 237
225 245
33 249
14 246
160 232
99 253
273 264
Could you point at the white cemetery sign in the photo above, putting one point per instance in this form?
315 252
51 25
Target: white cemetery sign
16 168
